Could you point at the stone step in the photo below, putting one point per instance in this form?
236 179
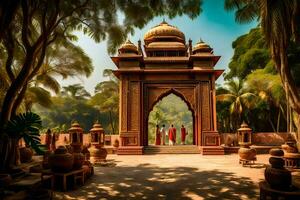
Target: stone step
177 149
212 150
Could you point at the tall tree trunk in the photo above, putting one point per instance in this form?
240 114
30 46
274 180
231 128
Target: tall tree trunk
19 100
14 89
278 121
4 152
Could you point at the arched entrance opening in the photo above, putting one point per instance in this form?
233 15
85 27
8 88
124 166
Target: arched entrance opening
171 109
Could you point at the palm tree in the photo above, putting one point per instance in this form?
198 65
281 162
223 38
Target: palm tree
236 93
280 22
76 91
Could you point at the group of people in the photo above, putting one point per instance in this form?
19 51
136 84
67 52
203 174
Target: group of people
161 134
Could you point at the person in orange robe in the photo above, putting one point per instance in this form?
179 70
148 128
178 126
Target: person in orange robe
157 136
183 134
171 135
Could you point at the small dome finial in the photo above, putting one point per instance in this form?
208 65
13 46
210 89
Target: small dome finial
164 21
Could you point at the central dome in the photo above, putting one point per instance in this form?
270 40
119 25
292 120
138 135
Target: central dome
164 31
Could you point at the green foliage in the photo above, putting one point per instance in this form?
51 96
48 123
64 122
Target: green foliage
106 99
171 110
67 109
75 91
26 126
250 53
236 93
252 63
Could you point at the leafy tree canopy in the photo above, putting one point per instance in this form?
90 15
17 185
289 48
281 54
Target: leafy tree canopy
250 53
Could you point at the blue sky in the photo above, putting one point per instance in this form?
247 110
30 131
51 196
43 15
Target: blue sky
214 25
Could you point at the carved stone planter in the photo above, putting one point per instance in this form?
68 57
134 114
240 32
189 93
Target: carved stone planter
247 153
61 160
98 154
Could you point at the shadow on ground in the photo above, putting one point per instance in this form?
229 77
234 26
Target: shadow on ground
147 181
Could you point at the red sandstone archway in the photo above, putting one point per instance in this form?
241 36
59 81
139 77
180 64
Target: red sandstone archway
159 98
166 64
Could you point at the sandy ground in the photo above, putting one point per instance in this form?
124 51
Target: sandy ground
172 177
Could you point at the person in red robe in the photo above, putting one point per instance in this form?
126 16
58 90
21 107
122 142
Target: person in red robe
157 136
183 134
171 135
174 132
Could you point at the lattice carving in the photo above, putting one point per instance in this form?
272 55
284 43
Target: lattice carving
134 120
154 95
124 105
189 95
130 141
205 106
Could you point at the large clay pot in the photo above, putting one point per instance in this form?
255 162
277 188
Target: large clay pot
289 148
276 152
279 179
5 180
247 153
98 154
25 154
61 160
78 160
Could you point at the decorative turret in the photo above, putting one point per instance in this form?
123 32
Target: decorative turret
165 40
128 48
76 136
244 135
164 32
97 135
202 47
97 152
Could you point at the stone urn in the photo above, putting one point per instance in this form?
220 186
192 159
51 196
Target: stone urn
116 143
290 145
5 180
25 154
276 175
276 152
247 153
61 160
78 160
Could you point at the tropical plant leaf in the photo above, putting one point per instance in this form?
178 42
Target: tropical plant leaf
26 126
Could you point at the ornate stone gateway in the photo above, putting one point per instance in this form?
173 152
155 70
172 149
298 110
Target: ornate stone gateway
166 65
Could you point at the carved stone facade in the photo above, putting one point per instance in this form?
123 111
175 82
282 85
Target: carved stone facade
166 65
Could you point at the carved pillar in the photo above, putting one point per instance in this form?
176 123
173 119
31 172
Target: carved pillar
214 103
130 118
